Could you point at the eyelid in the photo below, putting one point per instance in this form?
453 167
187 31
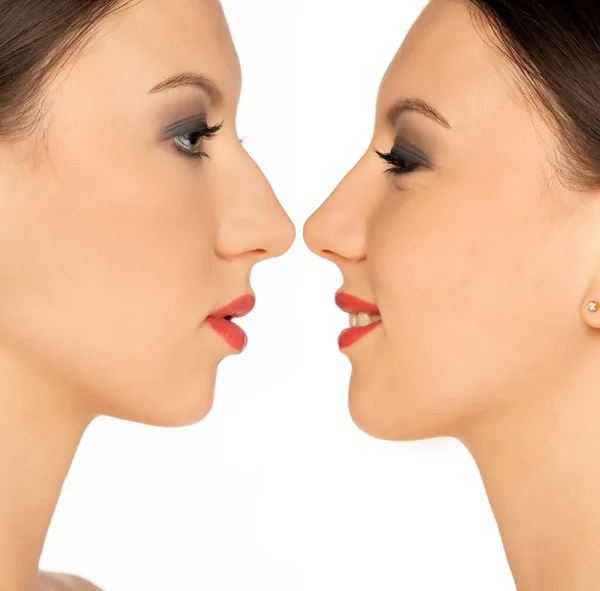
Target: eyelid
195 123
404 150
402 164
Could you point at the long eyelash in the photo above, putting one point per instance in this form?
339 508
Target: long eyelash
210 132
207 133
398 165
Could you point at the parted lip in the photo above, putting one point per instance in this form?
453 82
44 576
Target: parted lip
237 308
353 305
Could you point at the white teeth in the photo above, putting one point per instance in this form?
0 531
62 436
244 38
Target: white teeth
363 319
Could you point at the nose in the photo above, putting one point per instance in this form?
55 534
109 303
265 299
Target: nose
337 230
252 222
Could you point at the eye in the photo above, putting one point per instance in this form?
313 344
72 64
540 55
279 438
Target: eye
401 163
190 143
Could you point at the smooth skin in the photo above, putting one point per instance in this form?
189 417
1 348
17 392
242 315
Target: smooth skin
115 247
481 264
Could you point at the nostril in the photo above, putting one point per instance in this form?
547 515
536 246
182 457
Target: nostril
329 255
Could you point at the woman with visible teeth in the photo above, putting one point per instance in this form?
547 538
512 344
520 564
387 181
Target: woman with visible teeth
130 219
469 238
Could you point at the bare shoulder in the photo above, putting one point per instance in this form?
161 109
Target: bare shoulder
65 582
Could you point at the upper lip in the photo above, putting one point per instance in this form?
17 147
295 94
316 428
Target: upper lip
353 305
237 308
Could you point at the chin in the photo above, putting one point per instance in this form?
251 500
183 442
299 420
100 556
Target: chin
393 414
172 405
368 403
376 423
188 414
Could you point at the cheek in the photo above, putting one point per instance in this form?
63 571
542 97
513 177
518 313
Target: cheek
109 282
461 280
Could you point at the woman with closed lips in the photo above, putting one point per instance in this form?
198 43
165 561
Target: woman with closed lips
469 239
130 220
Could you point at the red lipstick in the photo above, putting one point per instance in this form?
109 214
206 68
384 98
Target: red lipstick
221 321
353 305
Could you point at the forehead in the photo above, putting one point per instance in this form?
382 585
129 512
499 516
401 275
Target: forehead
447 60
153 39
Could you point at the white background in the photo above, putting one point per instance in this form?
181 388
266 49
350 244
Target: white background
277 490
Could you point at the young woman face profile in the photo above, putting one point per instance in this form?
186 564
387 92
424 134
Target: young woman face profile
468 238
132 215
459 235
130 219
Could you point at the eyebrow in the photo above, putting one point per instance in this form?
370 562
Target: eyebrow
419 106
191 79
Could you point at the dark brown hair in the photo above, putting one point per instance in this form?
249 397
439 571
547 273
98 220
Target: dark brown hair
554 46
37 37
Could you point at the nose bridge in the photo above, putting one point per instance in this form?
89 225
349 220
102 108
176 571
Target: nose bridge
338 227
251 218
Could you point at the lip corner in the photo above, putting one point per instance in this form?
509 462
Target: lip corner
241 306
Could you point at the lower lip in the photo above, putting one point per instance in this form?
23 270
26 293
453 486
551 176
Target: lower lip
231 332
351 335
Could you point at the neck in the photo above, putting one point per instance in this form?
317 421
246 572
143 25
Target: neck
540 464
40 430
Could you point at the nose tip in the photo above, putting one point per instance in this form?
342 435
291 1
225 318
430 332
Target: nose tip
309 236
333 237
318 237
268 237
274 235
337 230
282 236
252 220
